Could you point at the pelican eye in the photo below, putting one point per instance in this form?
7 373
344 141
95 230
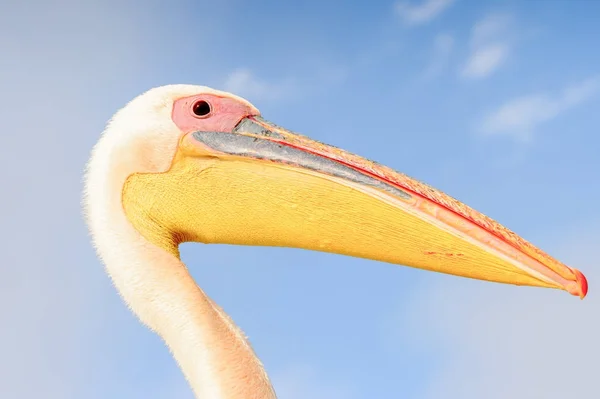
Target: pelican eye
201 108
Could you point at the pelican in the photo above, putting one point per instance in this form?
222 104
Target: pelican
184 163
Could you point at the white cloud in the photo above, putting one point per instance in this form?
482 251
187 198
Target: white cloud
520 117
491 45
245 83
485 61
501 341
442 50
491 27
421 13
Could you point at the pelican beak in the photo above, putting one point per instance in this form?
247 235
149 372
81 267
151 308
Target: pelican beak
261 184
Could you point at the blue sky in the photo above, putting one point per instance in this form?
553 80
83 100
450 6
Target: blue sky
494 102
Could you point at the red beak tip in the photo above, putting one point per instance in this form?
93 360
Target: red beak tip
581 284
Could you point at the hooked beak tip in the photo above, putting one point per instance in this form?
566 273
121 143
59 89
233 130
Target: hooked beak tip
580 285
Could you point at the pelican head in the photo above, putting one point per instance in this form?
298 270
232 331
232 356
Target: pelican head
189 163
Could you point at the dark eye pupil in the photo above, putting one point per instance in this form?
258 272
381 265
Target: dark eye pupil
201 108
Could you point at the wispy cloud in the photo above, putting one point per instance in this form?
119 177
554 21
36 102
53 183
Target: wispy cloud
418 14
490 28
521 116
244 82
442 50
484 61
490 46
501 341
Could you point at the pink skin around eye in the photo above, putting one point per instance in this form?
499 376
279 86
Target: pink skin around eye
225 113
